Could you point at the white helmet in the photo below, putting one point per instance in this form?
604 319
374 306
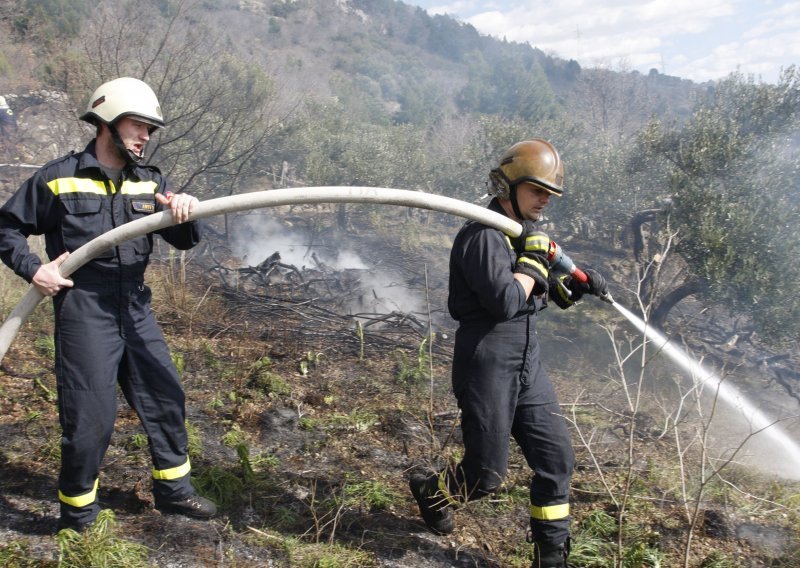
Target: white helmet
123 97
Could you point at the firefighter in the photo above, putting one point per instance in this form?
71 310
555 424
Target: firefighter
8 122
105 331
497 288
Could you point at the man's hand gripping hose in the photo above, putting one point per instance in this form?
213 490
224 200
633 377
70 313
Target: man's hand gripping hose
560 262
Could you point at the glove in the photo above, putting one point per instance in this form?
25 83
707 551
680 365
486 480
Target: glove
531 240
536 266
596 285
531 247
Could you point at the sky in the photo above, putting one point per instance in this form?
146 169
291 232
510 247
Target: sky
700 40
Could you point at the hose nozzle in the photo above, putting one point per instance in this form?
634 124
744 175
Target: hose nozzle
560 262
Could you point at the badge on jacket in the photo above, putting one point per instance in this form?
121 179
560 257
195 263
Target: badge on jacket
143 206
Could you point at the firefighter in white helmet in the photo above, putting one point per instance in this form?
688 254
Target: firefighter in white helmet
8 122
498 286
105 330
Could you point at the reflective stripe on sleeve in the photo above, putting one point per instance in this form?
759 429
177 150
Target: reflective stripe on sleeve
173 472
535 264
538 242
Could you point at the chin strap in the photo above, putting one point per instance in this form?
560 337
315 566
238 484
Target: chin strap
512 194
130 158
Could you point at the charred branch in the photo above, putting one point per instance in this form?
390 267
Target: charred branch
315 307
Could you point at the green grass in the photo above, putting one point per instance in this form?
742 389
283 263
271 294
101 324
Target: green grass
372 494
99 547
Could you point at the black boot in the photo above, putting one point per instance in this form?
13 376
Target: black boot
435 511
550 555
191 506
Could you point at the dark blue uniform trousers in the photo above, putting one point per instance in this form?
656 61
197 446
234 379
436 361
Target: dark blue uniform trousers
106 334
503 391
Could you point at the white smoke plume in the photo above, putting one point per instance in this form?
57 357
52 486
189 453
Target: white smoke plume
256 237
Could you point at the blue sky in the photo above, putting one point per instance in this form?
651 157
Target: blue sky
699 40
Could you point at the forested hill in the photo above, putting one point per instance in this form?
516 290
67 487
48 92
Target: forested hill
407 66
393 60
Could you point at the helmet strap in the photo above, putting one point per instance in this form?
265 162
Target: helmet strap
130 158
512 195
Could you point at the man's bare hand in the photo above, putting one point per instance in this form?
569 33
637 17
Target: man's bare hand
48 279
181 204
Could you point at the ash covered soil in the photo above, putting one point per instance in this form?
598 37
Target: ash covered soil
304 427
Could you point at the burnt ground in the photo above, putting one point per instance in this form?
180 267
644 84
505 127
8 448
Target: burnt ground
305 426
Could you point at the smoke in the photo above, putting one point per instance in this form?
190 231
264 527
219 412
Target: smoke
373 290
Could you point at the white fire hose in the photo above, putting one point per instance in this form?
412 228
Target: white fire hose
255 200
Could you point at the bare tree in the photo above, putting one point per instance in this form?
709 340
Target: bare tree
689 414
220 109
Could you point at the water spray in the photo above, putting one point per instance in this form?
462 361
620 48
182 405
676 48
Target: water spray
728 393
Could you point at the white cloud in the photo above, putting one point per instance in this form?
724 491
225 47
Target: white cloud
699 40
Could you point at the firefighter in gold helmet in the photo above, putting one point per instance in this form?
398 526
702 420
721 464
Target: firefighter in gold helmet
498 286
105 330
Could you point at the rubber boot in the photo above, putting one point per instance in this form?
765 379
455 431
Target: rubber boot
550 555
435 511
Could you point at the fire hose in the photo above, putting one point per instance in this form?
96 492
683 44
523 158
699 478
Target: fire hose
260 199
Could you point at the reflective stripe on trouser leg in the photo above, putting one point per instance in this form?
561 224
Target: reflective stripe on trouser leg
79 510
79 501
542 433
172 473
550 513
151 386
88 350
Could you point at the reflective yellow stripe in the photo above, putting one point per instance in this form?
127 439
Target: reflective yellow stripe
173 472
61 186
538 266
80 500
537 243
550 513
139 187
76 185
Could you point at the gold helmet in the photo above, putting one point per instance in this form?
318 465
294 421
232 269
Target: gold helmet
534 161
123 97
